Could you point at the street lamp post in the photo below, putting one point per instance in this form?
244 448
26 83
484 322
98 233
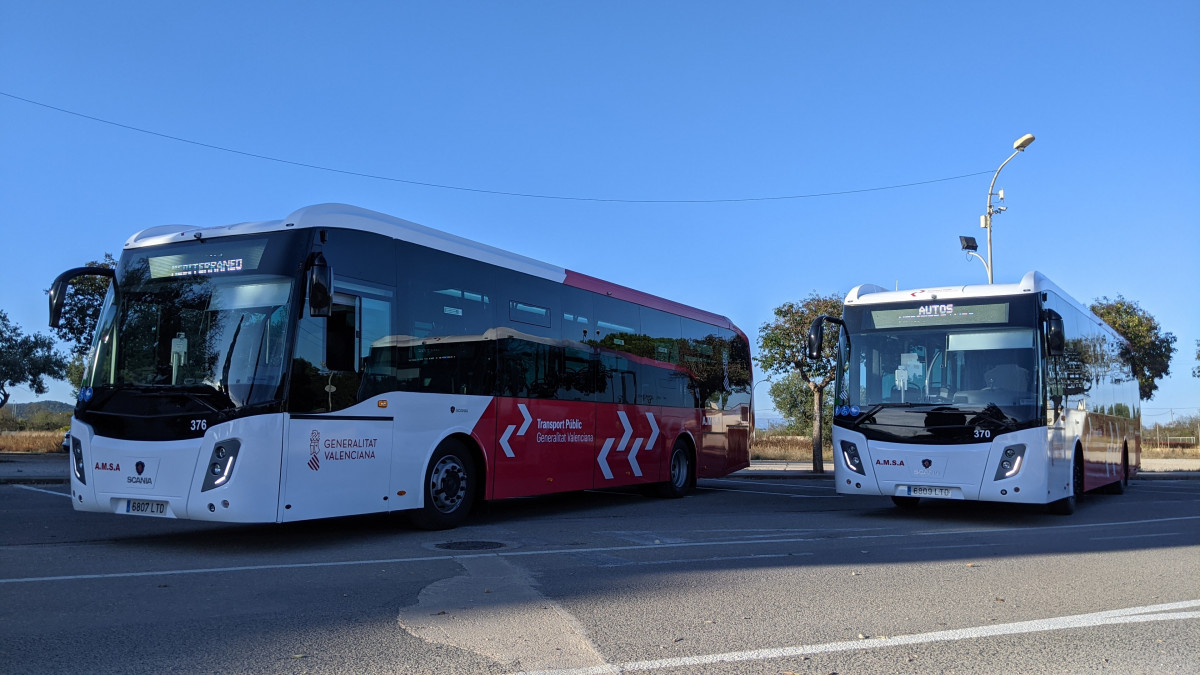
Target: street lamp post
985 221
754 431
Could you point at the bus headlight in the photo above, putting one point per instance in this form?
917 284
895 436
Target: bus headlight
220 464
851 459
1010 461
77 460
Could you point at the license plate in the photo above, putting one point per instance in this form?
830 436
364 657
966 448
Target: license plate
145 507
922 491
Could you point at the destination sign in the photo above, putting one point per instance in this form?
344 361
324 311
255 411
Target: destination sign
940 314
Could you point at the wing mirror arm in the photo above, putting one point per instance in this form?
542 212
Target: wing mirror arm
58 289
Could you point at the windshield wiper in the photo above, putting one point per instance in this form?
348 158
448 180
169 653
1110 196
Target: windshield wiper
167 390
873 410
992 413
224 381
191 396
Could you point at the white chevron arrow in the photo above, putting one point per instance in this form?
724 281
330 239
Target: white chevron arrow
637 470
504 441
528 419
602 459
653 434
628 430
508 451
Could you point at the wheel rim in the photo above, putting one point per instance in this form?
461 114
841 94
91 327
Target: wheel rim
679 468
448 484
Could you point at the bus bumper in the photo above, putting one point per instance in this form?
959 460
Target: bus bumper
167 479
975 471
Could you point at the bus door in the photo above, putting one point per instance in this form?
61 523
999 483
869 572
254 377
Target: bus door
628 440
339 439
545 417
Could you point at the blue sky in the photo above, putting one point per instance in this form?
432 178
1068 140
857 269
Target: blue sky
684 101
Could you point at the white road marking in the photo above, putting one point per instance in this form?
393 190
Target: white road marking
803 485
593 549
1137 536
774 494
677 561
49 492
938 548
1164 612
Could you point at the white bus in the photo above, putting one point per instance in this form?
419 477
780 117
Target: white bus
234 376
1008 393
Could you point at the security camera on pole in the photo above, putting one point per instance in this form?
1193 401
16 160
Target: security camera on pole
985 221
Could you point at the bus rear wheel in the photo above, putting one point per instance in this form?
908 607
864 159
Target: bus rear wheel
680 482
449 489
1118 487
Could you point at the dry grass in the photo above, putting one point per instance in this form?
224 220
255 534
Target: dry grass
31 441
789 448
1174 452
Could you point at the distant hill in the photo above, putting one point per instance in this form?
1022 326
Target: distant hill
24 411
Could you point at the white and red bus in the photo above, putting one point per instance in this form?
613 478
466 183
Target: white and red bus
1008 393
341 361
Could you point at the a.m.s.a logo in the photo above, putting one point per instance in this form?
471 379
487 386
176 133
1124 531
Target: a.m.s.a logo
314 447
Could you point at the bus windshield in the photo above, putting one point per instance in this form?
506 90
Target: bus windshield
203 318
968 364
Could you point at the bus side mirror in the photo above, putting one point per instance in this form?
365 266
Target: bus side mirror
816 335
58 289
320 286
1056 336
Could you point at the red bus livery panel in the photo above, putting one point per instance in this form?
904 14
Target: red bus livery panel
340 361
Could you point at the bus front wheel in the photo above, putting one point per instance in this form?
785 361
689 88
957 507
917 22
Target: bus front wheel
1066 505
449 489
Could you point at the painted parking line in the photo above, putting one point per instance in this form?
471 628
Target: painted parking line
676 561
798 485
1138 536
37 489
789 495
1164 612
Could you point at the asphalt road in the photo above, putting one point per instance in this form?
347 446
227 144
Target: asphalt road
746 576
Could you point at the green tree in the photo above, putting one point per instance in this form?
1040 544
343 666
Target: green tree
26 360
794 401
1148 351
81 311
1196 370
781 351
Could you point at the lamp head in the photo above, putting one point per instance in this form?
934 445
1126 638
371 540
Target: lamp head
968 244
1023 142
